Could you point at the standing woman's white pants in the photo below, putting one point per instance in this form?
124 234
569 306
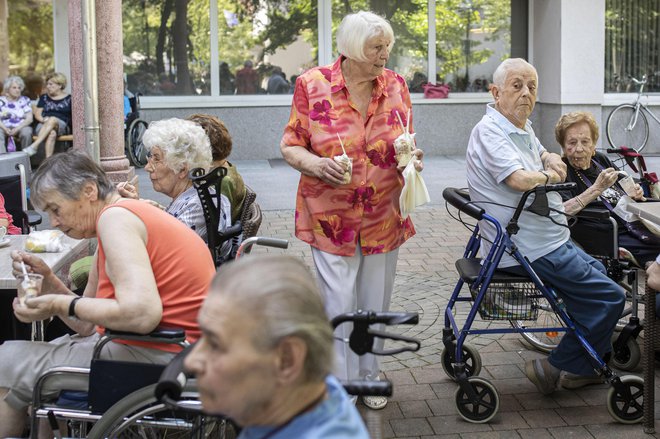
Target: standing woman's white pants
349 283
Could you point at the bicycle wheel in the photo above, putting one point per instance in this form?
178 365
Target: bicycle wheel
623 130
543 341
137 155
140 415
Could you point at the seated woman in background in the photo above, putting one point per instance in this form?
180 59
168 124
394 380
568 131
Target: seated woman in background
6 220
233 186
174 148
15 114
53 112
596 178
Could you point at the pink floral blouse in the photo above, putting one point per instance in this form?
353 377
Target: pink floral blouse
330 218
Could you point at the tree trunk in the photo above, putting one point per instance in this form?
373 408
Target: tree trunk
162 33
4 40
180 39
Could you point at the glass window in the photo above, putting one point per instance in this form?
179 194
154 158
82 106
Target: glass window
264 46
632 44
473 37
167 47
409 20
30 30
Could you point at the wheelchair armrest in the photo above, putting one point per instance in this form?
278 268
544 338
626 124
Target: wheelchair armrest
594 213
161 333
34 217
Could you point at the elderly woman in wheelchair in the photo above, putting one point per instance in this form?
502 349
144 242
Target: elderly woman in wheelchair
162 282
599 186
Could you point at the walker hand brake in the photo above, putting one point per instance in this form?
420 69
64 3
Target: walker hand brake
397 337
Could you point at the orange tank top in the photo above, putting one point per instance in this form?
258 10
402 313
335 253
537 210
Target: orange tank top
182 267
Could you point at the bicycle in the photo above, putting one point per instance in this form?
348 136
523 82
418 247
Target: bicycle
627 125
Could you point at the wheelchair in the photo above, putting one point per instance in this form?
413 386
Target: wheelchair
500 295
115 386
134 129
170 407
208 187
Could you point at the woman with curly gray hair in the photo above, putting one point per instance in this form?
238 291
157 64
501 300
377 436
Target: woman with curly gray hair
15 114
174 148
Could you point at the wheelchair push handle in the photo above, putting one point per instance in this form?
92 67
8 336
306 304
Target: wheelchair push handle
373 317
246 245
362 337
173 379
368 388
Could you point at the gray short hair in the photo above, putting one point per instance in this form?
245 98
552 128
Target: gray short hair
281 295
13 80
66 174
184 143
501 72
354 31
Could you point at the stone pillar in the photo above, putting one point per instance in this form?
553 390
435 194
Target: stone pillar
76 69
111 89
567 48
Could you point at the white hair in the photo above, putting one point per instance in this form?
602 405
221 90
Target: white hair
14 80
502 71
184 143
354 31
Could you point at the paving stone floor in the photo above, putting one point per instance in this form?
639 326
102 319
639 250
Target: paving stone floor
423 402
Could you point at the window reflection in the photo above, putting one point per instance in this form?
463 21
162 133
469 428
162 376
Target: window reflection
409 22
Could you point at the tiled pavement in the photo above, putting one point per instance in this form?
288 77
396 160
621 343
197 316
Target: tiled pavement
423 401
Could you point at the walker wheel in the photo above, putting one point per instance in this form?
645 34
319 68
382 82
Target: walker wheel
471 358
485 405
627 408
628 357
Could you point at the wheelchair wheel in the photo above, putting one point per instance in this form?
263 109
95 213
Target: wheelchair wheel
140 415
471 358
137 155
541 341
629 356
627 409
484 407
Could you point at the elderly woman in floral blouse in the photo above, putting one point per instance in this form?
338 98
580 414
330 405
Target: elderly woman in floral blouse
353 225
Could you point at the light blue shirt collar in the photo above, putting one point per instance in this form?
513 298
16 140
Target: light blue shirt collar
504 123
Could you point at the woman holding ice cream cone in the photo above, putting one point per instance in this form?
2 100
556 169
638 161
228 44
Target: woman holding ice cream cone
345 118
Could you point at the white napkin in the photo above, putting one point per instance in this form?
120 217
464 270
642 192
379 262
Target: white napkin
414 192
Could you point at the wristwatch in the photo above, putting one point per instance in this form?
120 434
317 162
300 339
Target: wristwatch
72 308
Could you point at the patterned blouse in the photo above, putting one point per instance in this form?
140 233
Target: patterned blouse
330 218
13 113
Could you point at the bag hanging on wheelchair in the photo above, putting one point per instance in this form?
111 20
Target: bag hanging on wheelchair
650 185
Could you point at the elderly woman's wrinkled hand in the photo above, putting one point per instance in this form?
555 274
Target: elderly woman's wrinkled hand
418 156
33 264
606 178
639 193
41 307
329 171
127 190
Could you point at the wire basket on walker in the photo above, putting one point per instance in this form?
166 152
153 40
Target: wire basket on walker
501 295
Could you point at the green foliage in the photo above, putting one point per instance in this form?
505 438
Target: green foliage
30 25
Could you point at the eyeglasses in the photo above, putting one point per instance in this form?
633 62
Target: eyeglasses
155 161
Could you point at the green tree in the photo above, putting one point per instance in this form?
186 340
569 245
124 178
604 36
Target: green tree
30 25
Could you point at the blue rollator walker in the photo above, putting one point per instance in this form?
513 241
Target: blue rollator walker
499 295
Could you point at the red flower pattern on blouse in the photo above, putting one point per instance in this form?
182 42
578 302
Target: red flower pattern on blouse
322 112
332 228
363 197
380 155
